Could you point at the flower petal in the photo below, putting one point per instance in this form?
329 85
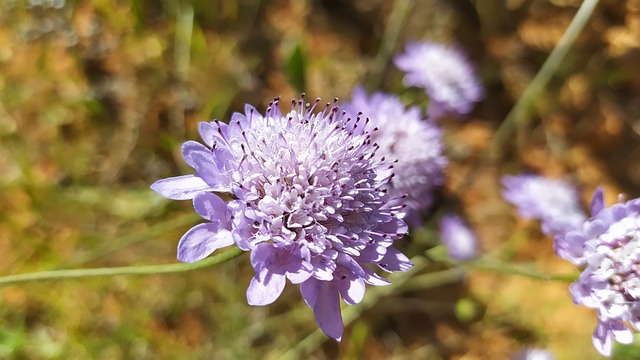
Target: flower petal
351 289
621 333
597 202
211 132
328 316
301 274
570 246
242 227
206 167
394 260
265 288
202 240
309 291
602 340
189 148
394 225
323 267
374 279
180 187
251 112
210 206
262 255
327 310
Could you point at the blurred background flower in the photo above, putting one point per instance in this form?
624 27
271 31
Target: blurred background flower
460 241
445 74
413 144
552 201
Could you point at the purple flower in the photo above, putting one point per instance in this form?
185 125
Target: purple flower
416 144
446 75
460 241
552 201
534 354
308 202
607 247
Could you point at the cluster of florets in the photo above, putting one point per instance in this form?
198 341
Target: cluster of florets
444 73
414 143
607 247
309 201
552 201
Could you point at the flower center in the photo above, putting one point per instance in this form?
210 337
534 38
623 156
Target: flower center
306 180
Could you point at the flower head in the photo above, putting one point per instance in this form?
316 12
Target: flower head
444 73
534 354
552 201
414 143
460 241
607 247
308 202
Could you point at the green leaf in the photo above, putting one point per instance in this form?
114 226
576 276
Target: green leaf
295 68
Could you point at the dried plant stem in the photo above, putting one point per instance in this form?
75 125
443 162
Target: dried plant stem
124 270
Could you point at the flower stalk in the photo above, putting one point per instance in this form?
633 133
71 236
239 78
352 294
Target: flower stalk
438 254
123 270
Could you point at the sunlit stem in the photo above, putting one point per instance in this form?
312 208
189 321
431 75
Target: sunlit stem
494 265
518 114
114 271
510 269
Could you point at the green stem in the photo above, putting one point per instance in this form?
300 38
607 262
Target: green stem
124 241
518 114
124 270
488 264
509 269
389 38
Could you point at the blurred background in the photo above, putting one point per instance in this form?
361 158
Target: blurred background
97 96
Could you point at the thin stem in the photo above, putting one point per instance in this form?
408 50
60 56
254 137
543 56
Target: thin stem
391 33
509 269
432 279
127 240
183 35
124 270
488 264
518 114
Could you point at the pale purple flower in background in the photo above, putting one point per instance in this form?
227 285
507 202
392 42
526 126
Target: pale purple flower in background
534 354
460 241
552 201
404 136
308 202
607 247
445 74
